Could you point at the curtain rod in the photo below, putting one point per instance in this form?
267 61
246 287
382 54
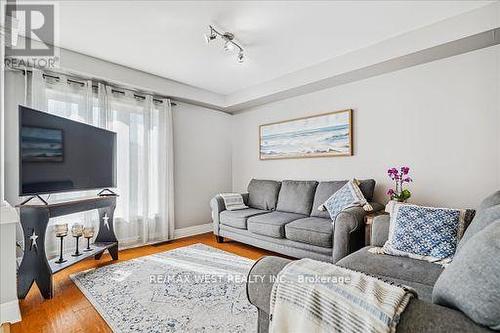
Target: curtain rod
112 90
117 90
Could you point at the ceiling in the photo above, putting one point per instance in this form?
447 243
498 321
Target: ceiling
280 37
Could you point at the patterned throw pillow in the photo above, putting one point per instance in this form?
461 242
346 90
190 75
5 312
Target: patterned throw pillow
347 196
425 233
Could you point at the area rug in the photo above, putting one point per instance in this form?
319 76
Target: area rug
195 288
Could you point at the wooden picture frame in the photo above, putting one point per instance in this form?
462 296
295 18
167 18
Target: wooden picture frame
321 135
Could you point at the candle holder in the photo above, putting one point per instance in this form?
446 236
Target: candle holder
61 232
77 232
88 233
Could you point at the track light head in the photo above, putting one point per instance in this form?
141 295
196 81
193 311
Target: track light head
210 37
241 57
228 36
228 46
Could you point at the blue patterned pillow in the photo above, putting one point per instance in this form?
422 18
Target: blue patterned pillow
347 196
425 233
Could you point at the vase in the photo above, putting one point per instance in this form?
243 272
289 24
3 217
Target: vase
390 205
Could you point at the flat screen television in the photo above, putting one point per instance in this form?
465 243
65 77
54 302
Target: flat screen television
61 155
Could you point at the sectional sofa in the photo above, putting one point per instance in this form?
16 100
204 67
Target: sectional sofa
284 217
451 299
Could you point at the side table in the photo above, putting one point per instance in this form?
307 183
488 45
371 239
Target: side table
35 267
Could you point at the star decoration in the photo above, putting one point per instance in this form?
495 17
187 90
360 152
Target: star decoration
106 220
33 239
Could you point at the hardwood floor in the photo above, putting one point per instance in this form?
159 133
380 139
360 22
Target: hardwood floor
69 310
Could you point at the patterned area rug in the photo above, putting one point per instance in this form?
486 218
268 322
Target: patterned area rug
195 288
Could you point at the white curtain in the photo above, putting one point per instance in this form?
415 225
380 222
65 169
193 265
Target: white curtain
145 165
144 212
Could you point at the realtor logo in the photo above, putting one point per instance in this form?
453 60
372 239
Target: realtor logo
30 34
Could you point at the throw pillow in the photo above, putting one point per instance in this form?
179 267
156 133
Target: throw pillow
425 233
233 201
347 196
471 282
482 219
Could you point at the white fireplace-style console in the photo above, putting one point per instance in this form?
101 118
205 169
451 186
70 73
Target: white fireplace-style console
9 304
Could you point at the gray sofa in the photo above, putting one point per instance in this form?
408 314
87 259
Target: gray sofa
283 217
459 290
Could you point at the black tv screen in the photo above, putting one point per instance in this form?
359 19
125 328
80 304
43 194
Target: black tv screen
60 155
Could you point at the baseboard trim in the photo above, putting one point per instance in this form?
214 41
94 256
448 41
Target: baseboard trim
194 230
9 312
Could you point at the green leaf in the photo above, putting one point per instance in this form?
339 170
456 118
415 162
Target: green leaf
405 194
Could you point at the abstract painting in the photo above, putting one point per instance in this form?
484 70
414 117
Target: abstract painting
322 135
42 144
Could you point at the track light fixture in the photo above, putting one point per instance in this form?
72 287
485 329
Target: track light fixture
228 46
229 43
241 57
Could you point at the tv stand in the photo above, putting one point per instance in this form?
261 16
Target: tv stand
35 267
106 193
33 197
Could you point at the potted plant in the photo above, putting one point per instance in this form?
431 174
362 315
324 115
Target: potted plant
398 193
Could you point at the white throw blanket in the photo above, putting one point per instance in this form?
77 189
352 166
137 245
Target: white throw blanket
233 201
313 296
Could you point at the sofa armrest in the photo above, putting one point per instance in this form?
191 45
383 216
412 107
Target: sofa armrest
217 206
261 279
380 230
420 316
376 206
348 233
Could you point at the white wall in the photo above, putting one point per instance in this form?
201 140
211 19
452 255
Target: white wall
440 118
202 157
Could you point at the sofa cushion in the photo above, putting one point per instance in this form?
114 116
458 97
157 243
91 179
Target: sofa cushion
271 224
311 230
489 211
263 194
296 196
324 190
421 316
471 282
424 291
392 267
238 218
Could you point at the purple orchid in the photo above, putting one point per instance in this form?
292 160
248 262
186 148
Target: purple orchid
393 173
399 176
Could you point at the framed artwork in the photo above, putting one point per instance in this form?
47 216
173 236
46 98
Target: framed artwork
42 144
322 135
